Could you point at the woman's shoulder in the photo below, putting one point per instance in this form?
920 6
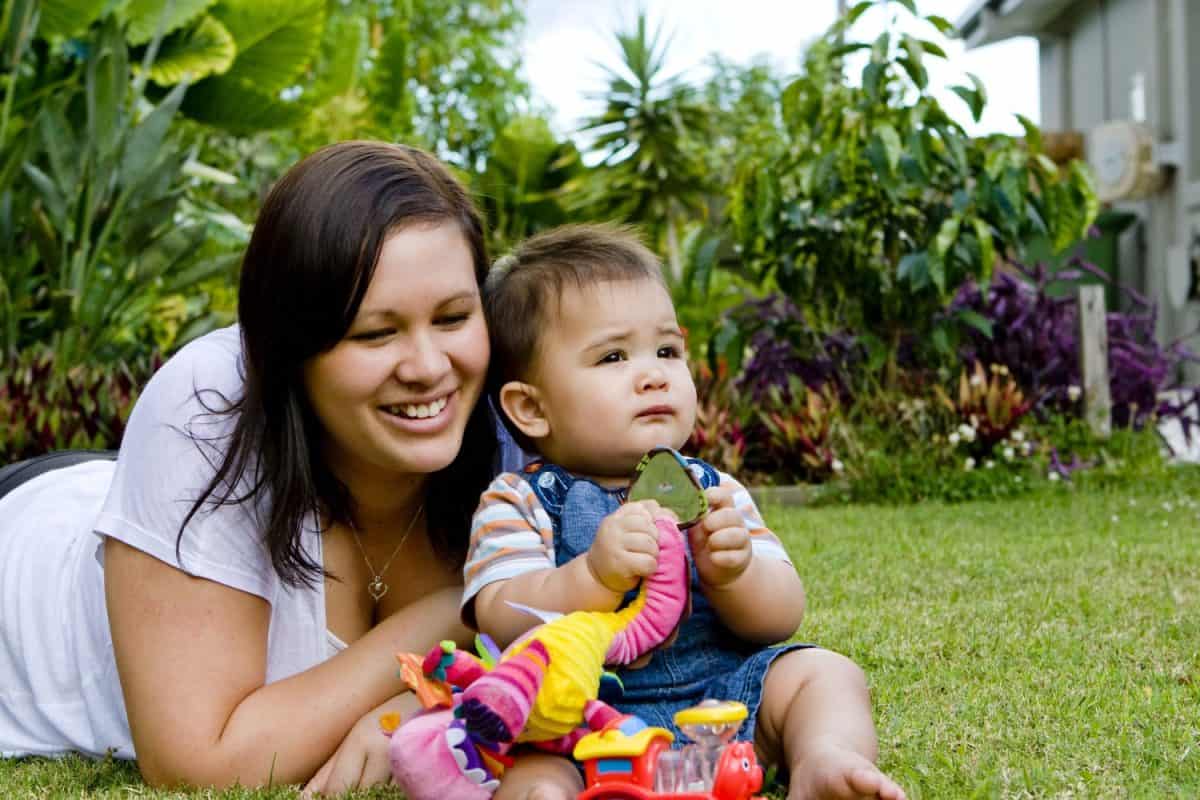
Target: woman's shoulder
185 400
212 362
205 375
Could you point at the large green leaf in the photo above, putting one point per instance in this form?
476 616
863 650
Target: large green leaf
145 142
342 54
239 107
390 76
68 17
143 17
276 39
58 143
522 151
202 50
107 83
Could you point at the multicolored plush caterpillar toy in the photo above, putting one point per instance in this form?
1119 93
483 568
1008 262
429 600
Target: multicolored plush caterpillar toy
543 689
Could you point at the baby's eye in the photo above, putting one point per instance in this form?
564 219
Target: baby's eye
612 358
668 351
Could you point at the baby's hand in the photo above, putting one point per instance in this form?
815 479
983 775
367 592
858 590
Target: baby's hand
626 546
720 542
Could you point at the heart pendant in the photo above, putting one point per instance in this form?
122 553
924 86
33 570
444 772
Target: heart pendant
377 589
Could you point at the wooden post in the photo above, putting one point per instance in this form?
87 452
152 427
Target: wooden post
1093 360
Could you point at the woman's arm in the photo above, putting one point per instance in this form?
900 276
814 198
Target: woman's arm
192 655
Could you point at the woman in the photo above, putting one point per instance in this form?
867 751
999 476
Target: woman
289 508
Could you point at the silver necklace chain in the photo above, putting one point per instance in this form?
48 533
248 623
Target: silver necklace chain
377 588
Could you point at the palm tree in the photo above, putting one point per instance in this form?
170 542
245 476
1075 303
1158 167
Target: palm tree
648 137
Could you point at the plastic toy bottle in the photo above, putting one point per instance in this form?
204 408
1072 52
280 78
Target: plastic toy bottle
710 726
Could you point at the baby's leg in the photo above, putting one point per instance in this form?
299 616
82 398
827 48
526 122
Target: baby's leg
815 721
540 776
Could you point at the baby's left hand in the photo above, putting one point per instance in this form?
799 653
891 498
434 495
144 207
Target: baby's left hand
720 542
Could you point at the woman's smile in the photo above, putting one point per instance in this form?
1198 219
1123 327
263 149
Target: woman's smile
422 418
419 409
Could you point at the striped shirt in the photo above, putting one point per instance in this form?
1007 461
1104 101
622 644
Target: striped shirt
512 534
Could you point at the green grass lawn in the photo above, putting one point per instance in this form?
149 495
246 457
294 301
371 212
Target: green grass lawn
1041 647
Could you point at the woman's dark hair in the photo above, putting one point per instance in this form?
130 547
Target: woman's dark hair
308 265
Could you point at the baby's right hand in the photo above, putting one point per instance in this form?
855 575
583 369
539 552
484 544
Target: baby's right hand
626 546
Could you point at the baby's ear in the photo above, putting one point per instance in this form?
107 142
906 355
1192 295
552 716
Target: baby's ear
522 404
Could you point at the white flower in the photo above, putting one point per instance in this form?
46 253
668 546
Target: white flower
1007 453
1054 476
1018 435
1073 392
837 466
969 464
967 432
1115 518
1168 507
977 379
1027 448
989 464
953 438
1017 479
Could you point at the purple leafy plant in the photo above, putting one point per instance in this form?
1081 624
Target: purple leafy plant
1035 334
784 346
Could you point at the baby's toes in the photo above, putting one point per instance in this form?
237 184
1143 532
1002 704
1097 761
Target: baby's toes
865 781
870 782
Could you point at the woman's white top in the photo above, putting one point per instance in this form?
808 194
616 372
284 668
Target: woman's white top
59 689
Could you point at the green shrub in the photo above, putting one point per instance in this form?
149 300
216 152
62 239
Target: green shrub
874 205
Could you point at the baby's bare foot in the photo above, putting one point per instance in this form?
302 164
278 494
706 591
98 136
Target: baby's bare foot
835 773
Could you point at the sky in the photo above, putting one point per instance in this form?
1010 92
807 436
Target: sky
565 38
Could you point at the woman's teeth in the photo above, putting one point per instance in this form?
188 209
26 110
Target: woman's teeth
423 411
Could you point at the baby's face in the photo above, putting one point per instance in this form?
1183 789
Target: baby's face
613 378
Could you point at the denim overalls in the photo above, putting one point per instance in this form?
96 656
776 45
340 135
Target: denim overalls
705 661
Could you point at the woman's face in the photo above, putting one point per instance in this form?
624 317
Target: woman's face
395 393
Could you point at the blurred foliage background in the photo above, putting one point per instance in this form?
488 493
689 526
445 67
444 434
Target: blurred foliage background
841 251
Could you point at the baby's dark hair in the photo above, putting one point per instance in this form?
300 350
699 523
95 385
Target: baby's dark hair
522 290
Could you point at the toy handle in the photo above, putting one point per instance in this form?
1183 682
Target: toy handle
661 601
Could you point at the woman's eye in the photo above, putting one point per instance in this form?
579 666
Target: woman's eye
669 351
371 335
612 358
451 320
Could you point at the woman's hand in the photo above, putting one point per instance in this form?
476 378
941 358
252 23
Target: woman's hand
361 760
540 776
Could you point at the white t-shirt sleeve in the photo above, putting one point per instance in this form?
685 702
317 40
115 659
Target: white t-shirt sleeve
763 541
170 450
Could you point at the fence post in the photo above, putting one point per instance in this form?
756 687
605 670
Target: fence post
1093 360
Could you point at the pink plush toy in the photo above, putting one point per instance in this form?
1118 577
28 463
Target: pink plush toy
542 690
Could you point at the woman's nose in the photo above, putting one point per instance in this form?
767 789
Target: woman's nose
424 363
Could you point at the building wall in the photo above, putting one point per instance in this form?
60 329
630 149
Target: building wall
1091 57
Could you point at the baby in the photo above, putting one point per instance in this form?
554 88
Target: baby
590 371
